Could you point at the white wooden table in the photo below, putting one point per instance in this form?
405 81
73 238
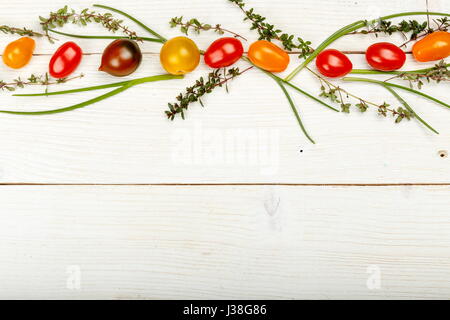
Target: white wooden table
115 201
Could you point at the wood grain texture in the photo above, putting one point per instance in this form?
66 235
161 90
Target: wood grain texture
247 136
224 242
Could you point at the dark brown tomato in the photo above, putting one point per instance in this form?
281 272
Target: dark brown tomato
121 58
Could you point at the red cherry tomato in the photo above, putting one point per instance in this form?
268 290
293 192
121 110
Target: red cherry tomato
65 60
385 56
333 63
224 52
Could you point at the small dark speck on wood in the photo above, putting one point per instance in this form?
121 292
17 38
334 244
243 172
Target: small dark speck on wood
443 154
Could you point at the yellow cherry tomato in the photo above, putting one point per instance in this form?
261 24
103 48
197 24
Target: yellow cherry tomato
268 56
180 55
18 53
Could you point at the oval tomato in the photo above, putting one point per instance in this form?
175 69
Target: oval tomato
224 52
385 56
65 60
18 53
435 46
121 58
333 63
179 56
268 56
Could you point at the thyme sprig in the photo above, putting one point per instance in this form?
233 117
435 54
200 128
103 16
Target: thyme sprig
23 32
197 27
414 28
269 32
387 27
43 80
66 15
342 97
440 72
202 86
393 85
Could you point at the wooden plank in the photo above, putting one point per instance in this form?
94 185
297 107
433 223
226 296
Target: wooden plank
248 136
224 242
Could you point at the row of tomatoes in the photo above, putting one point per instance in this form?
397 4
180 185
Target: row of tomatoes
385 56
181 55
120 58
178 56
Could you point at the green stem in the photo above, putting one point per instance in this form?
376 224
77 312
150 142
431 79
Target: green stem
56 93
76 106
132 19
294 109
125 86
291 85
104 86
353 79
103 37
407 106
305 93
367 71
350 28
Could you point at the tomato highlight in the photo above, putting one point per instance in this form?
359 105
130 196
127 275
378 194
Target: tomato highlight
18 53
65 60
268 56
180 56
385 56
435 46
224 52
333 63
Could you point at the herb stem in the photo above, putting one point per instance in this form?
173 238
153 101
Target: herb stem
368 71
134 20
127 85
294 109
105 86
103 37
354 79
341 89
407 106
305 93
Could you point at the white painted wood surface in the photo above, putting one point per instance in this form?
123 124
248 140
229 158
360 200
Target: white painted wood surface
229 241
225 242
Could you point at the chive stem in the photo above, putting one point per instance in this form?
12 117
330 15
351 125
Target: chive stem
103 37
294 109
132 19
123 86
368 71
407 106
354 79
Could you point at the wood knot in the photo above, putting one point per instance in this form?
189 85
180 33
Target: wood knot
443 154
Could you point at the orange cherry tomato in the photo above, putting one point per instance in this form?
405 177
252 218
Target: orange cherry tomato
435 46
18 53
268 56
